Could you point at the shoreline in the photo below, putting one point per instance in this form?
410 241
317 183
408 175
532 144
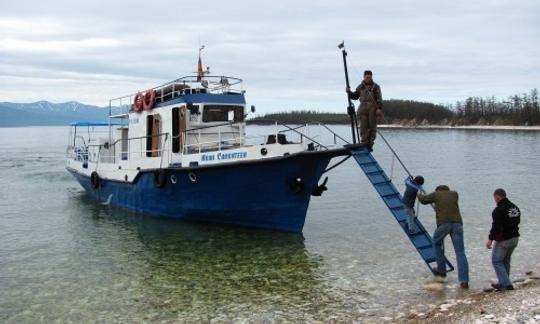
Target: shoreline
468 127
485 306
427 126
383 126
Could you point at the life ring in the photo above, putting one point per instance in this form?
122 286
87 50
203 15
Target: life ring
160 178
94 180
149 99
138 102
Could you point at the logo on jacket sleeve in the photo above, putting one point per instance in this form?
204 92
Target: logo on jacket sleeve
513 212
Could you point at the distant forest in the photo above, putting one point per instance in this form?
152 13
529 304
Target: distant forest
515 110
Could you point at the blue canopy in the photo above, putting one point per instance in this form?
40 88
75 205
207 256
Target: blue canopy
76 124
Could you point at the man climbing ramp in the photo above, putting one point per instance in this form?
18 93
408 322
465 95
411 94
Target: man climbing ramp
449 222
412 186
369 109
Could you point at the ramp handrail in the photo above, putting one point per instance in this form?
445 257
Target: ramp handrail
394 153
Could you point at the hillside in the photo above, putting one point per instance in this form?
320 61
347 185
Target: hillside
395 111
44 113
517 110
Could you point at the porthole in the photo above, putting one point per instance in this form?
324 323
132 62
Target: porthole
173 179
192 177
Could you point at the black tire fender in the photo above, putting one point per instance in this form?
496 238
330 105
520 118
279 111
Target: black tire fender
160 178
94 180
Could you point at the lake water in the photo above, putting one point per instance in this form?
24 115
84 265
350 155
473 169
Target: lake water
64 257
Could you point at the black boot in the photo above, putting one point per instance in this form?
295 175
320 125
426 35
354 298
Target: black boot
370 147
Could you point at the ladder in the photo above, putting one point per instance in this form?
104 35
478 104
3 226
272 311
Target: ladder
392 198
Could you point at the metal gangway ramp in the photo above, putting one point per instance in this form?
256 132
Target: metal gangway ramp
421 240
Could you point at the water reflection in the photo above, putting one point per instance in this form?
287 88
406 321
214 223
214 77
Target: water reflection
177 269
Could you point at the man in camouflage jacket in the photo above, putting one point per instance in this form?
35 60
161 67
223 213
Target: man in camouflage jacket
370 108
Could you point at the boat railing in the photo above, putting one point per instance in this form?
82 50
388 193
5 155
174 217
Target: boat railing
123 149
187 85
318 133
226 135
230 135
208 138
88 134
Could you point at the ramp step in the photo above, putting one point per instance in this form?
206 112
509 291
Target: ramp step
421 240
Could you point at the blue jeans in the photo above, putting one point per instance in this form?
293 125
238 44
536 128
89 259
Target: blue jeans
456 234
500 258
410 217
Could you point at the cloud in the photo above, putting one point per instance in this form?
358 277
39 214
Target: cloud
285 51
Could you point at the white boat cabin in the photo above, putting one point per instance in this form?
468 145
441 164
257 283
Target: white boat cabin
188 122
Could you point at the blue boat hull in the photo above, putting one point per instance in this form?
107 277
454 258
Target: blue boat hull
262 194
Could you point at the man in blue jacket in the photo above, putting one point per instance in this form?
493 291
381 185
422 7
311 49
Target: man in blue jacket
505 233
409 197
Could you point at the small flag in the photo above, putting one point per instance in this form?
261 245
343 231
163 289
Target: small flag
199 70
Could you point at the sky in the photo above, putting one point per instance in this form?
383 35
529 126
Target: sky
285 51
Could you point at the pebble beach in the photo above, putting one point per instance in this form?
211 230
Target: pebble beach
521 305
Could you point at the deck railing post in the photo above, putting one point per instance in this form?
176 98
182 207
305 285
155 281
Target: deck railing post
276 131
219 138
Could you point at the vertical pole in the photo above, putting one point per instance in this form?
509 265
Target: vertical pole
110 130
276 131
350 107
219 138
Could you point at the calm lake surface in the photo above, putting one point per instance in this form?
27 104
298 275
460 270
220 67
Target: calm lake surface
65 257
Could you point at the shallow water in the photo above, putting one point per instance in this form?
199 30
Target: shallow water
64 257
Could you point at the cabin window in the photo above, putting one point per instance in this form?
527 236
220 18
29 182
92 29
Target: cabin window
194 112
223 113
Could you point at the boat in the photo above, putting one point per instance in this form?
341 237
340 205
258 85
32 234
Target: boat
180 150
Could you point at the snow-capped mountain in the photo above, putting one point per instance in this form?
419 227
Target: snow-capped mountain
48 113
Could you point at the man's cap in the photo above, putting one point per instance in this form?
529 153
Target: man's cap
419 180
368 72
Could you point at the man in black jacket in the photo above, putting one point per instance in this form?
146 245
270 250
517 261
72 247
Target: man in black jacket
505 233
